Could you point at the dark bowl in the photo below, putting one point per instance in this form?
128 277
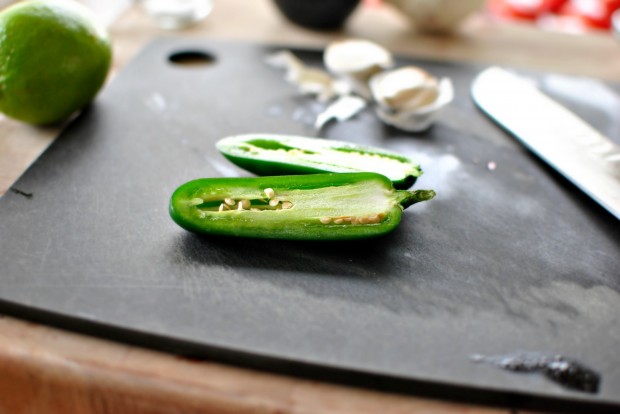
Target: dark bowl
317 14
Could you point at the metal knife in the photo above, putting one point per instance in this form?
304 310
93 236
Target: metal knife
582 154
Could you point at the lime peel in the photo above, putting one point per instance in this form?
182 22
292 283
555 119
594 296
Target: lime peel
54 58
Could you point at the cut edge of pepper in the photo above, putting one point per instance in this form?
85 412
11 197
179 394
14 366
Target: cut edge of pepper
229 147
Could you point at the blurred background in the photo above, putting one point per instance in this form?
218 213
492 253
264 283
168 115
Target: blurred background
563 15
572 16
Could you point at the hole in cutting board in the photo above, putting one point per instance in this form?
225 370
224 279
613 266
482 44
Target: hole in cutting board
191 58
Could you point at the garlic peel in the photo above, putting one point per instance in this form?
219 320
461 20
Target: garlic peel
342 109
309 81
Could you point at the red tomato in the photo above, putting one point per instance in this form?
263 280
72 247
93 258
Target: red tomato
554 6
525 9
593 13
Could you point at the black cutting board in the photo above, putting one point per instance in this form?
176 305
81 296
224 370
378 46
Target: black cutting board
509 256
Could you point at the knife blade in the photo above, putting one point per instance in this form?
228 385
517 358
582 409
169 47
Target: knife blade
587 158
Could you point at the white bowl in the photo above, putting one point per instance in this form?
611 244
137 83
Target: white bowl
437 16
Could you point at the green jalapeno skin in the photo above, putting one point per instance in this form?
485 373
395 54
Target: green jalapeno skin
300 207
273 154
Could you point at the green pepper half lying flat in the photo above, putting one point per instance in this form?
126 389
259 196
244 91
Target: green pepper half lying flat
300 207
271 154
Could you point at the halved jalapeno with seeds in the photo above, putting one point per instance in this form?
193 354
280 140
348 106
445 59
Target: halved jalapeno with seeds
272 154
301 207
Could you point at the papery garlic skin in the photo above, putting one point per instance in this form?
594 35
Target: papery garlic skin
341 109
309 81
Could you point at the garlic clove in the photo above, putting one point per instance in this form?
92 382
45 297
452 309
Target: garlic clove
417 119
356 60
409 87
356 56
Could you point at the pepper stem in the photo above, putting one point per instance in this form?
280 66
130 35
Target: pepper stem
407 198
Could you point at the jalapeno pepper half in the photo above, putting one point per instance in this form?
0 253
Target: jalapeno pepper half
300 207
271 154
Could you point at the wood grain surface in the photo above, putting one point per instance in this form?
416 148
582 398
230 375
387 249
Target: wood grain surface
46 370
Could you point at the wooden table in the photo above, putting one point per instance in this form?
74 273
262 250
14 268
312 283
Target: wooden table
48 370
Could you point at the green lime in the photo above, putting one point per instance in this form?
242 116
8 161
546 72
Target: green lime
54 58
